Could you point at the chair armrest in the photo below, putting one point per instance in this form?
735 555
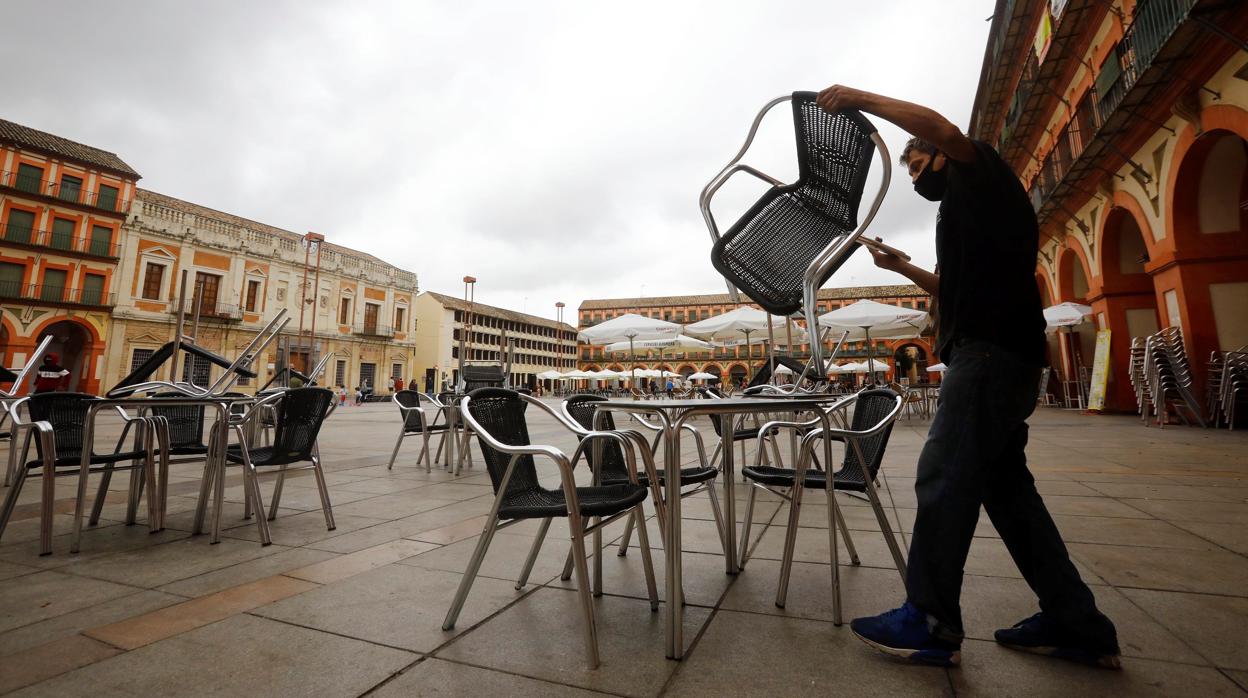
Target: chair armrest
630 458
249 413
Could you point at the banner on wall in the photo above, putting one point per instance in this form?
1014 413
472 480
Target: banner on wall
1100 372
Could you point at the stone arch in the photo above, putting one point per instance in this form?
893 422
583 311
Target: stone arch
77 346
1192 155
1073 275
1046 293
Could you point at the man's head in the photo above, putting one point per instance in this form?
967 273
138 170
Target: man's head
926 166
50 358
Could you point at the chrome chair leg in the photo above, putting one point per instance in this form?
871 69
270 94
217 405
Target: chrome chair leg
834 509
628 532
745 528
594 521
10 503
277 491
251 482
97 508
790 540
319 473
533 551
470 574
834 517
395 453
577 532
647 563
45 511
717 514
898 558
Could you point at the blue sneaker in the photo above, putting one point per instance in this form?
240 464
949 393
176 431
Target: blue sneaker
904 632
1039 635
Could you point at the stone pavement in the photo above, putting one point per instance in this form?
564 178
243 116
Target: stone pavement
1157 521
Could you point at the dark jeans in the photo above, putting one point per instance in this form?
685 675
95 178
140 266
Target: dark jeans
974 455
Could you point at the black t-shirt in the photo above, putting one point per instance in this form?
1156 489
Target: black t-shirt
986 243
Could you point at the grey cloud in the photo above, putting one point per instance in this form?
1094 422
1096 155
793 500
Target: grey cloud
553 149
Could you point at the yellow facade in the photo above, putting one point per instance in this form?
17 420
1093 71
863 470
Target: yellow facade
361 307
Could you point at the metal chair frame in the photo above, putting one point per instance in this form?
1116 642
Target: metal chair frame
146 439
427 427
578 527
648 452
821 266
241 428
793 495
9 397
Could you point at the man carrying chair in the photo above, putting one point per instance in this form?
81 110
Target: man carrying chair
991 335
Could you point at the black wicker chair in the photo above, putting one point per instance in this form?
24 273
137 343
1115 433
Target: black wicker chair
741 433
581 411
797 235
298 414
497 416
57 422
875 411
417 423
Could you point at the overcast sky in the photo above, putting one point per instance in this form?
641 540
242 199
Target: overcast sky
554 150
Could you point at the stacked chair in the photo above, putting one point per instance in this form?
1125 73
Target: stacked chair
1167 372
1228 385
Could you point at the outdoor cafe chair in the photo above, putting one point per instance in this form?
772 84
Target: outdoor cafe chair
417 423
791 241
497 417
56 422
299 414
864 441
740 432
581 411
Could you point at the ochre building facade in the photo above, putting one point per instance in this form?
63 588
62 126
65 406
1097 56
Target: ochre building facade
1127 121
62 206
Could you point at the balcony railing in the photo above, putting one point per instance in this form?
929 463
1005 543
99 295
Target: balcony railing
64 242
74 194
212 311
1155 21
43 293
372 329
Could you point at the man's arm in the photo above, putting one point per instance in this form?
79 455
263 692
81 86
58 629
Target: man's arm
925 279
913 118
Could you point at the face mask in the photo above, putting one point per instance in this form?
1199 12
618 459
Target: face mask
931 184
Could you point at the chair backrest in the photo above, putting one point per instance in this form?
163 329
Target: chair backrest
67 413
767 252
583 409
500 412
299 415
476 376
871 407
410 399
186 422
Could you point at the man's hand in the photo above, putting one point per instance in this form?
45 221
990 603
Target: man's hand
838 98
885 260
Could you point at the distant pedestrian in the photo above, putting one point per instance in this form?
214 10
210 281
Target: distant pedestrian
51 376
398 384
342 396
670 386
359 395
390 385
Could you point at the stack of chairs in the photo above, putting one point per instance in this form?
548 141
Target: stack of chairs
1169 377
1139 383
1228 385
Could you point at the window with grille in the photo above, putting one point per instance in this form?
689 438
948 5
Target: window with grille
153 279
396 371
196 370
340 373
101 242
139 357
368 375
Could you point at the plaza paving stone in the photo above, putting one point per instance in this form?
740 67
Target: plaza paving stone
1155 520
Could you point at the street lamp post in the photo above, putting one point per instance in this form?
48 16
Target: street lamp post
465 335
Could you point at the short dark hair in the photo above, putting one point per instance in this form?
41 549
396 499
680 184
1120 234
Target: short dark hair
914 144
